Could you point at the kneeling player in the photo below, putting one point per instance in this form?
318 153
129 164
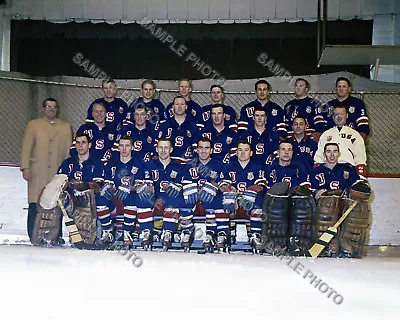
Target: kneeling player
331 182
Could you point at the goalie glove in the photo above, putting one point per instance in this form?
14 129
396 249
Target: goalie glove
123 192
190 193
173 190
248 199
107 191
228 202
144 191
208 192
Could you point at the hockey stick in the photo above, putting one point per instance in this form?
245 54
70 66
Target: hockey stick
73 231
328 235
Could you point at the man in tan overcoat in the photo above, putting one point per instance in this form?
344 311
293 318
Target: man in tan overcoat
46 144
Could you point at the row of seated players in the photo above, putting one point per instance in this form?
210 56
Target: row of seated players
167 186
184 135
318 117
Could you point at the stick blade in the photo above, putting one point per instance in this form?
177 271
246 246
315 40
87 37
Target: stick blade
322 242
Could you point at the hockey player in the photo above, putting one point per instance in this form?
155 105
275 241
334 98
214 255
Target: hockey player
202 181
309 108
121 176
349 140
143 137
248 179
155 107
193 111
263 141
217 97
167 175
275 115
224 139
330 182
357 112
116 108
181 131
102 137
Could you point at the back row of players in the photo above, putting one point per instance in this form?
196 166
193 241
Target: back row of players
191 144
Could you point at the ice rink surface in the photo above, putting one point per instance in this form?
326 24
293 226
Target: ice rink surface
64 283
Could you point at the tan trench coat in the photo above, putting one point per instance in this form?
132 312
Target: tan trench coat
44 147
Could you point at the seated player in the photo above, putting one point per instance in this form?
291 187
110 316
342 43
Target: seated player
166 174
193 111
181 131
248 180
122 176
143 137
263 141
224 139
116 108
217 97
331 181
85 173
201 182
102 136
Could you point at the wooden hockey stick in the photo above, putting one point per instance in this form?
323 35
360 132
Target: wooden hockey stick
328 235
73 231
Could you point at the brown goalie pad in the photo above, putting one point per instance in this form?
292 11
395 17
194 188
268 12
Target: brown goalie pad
47 225
354 230
328 209
84 215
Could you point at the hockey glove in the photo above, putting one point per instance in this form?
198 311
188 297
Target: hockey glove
248 199
190 193
208 192
173 190
123 192
228 202
107 191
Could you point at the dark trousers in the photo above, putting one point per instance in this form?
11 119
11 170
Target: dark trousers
32 212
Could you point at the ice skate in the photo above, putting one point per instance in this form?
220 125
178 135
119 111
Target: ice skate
167 240
256 244
209 242
222 242
128 241
186 241
106 238
146 239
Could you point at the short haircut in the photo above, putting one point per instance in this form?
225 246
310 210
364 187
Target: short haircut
216 86
126 137
245 142
262 82
109 80
178 97
149 81
165 140
343 79
299 116
44 103
217 105
341 105
100 103
187 80
285 141
331 144
82 134
259 108
205 139
308 85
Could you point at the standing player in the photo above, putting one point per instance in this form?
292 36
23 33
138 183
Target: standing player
143 137
309 108
349 140
224 139
155 107
167 176
263 141
275 115
217 97
357 112
116 108
181 131
193 111
248 179
102 137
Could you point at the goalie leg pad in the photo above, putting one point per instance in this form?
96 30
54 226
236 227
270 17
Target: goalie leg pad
328 208
47 225
276 224
302 230
353 230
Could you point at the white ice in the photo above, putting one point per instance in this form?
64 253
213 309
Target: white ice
57 283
